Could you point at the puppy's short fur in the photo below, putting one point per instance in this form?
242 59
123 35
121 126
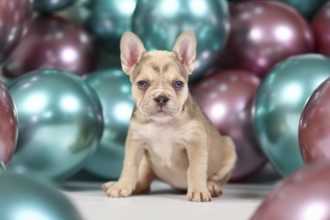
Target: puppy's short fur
169 137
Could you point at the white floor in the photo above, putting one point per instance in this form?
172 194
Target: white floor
238 202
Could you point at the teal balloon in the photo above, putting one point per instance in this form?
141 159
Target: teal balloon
108 20
2 167
60 123
159 23
47 6
279 103
24 198
113 88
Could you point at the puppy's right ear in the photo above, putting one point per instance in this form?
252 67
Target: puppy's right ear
131 51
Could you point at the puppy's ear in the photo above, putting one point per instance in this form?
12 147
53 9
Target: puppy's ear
185 50
131 51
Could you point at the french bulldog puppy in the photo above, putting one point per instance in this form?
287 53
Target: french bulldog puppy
169 137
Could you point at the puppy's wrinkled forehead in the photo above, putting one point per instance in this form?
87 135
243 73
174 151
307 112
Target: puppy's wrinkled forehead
157 63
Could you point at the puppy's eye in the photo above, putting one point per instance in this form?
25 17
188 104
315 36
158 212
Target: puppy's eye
143 84
178 84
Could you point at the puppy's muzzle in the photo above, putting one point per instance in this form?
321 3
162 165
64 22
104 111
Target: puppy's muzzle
161 100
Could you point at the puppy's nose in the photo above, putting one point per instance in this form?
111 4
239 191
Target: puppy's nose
161 100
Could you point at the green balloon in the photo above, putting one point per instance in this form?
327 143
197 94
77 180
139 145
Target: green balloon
108 20
113 88
47 6
279 103
159 23
60 123
25 198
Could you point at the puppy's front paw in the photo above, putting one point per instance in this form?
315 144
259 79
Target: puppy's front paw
199 195
116 189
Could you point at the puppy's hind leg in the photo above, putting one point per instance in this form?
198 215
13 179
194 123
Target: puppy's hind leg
145 177
216 181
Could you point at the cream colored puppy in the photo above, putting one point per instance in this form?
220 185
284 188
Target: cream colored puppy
169 137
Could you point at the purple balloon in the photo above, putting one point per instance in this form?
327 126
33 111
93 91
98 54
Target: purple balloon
15 16
321 28
52 42
226 98
8 125
314 126
302 195
262 34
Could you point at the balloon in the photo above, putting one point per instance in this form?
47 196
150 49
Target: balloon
25 198
60 123
307 8
159 23
4 80
108 20
263 34
52 42
8 125
279 103
226 97
321 26
2 167
314 126
302 195
47 6
113 88
15 16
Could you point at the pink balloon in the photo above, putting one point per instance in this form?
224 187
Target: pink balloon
321 28
302 195
8 126
226 98
52 42
262 34
314 126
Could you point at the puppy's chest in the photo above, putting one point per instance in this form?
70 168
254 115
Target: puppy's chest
162 144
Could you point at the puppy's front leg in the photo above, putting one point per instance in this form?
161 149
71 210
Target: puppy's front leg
128 179
197 173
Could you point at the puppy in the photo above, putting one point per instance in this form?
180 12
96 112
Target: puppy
169 137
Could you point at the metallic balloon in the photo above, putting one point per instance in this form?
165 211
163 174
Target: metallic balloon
159 23
307 8
114 90
108 20
226 97
15 16
263 34
52 42
321 28
279 103
47 6
314 126
25 198
303 195
8 125
60 123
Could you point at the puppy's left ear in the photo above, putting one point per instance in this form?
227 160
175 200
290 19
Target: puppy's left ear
131 51
185 50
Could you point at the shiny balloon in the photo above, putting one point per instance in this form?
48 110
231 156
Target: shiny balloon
226 97
302 195
314 126
15 16
307 8
108 20
25 198
321 28
8 125
47 6
159 23
113 88
60 123
52 42
264 33
2 167
279 103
